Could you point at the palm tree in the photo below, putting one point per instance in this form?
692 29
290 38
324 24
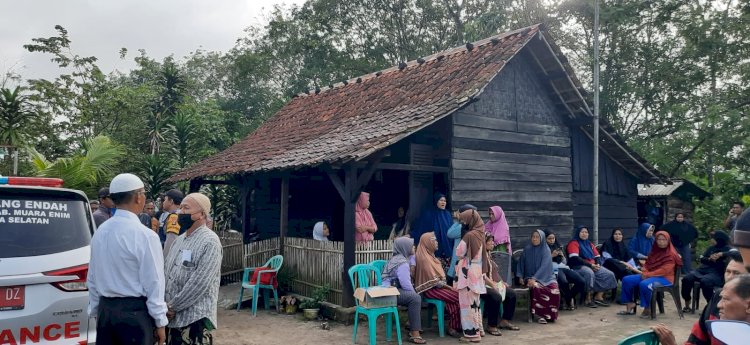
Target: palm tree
15 118
183 131
172 86
86 170
155 172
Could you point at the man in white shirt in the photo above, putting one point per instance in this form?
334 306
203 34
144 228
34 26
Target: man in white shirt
126 272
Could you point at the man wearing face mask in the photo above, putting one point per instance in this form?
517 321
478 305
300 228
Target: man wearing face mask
193 271
126 272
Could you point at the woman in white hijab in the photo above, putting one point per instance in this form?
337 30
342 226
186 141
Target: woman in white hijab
321 232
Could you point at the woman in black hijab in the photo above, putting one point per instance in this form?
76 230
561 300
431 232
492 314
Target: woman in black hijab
617 256
710 273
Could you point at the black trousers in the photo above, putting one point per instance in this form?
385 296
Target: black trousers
565 277
124 321
617 267
492 300
708 281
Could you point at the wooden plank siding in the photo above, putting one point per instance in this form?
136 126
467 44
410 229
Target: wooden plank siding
618 193
512 149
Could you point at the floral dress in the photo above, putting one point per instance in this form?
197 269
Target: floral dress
470 287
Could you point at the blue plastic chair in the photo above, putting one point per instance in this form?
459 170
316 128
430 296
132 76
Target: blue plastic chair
647 338
275 264
364 275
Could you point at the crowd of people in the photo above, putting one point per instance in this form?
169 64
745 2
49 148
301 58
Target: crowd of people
450 259
161 270
153 278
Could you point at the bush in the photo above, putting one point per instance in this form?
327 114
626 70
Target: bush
318 296
285 277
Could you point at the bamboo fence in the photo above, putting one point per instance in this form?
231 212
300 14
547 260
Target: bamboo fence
313 264
237 256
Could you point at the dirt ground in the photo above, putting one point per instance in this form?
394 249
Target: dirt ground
580 327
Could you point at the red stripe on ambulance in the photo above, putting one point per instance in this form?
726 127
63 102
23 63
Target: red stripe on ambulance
49 333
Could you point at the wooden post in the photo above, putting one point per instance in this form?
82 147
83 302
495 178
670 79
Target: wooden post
195 185
284 216
349 192
245 187
350 195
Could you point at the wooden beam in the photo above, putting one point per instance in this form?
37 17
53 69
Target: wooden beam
367 173
350 181
195 185
245 190
215 182
413 167
336 181
284 216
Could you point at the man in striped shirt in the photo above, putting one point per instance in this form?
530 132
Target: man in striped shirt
193 270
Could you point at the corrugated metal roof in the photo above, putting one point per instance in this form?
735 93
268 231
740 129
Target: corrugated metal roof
658 189
682 189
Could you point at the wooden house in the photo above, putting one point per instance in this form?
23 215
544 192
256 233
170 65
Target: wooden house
502 121
659 203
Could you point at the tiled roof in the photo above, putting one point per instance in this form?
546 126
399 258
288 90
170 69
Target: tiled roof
355 119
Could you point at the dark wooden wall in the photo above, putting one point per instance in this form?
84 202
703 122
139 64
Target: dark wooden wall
618 190
512 149
313 197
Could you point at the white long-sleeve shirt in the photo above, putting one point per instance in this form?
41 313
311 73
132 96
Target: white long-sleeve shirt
127 261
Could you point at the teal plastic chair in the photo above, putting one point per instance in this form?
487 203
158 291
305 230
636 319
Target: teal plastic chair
440 307
365 273
275 264
379 264
647 338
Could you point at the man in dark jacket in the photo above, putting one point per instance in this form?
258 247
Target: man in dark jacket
106 207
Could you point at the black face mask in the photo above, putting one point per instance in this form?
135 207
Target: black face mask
185 221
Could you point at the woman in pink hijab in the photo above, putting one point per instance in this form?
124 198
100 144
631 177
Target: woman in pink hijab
498 228
364 222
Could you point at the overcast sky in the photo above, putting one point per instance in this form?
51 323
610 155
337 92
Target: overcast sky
101 27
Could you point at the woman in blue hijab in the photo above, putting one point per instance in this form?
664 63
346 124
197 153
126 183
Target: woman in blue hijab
641 244
437 219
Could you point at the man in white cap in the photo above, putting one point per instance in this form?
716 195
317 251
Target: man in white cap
126 272
193 272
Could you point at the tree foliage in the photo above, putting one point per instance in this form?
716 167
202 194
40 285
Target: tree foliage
87 169
674 78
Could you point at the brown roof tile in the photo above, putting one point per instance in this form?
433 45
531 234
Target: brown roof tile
354 119
350 122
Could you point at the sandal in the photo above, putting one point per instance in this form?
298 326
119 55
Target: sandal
626 312
496 332
591 305
687 310
542 321
417 340
510 327
645 316
454 333
601 302
467 340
